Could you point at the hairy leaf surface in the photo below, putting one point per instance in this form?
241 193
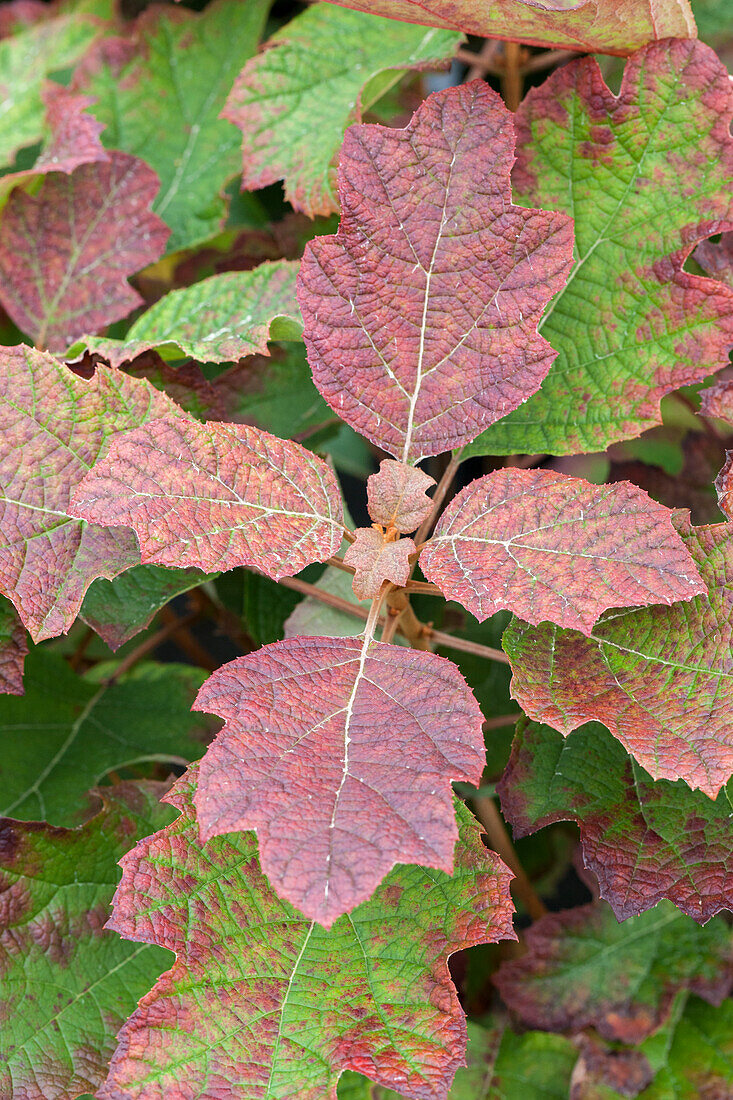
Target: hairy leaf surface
643 840
66 253
294 101
26 59
221 318
68 732
216 496
119 609
645 175
377 559
159 93
68 985
340 753
264 1002
717 401
421 313
584 969
13 649
397 496
547 546
605 26
660 678
54 426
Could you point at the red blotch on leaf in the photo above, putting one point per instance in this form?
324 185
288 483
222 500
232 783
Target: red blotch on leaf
421 313
341 754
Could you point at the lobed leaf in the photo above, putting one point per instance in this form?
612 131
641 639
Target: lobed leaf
55 424
305 759
643 840
377 559
67 984
221 318
293 101
659 678
605 26
13 650
214 496
184 64
68 732
584 969
421 313
548 546
263 1001
119 609
645 175
66 252
397 496
26 59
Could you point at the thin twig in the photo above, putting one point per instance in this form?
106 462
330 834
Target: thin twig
547 59
511 80
185 641
339 563
464 646
423 588
491 819
437 499
501 720
77 656
325 597
150 643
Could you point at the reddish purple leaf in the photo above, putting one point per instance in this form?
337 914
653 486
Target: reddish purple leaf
606 1073
548 546
215 496
53 426
606 26
584 969
421 313
66 253
717 259
659 678
341 754
717 401
397 496
644 840
377 559
13 650
261 1002
724 486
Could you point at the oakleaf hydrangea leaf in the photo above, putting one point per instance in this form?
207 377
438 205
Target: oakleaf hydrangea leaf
294 101
69 731
397 496
13 649
716 258
214 496
646 175
72 139
547 546
53 426
119 609
377 559
68 985
717 401
697 1055
421 313
724 486
304 758
262 1001
66 252
583 969
184 64
643 840
26 60
221 318
603 26
660 678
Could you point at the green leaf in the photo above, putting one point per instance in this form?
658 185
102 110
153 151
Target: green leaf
221 318
119 609
294 101
26 59
645 177
67 732
68 985
160 95
643 840
13 649
697 1061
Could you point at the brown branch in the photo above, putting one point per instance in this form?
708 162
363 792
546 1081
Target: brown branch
325 597
339 563
512 83
491 819
149 644
464 646
481 63
185 641
547 59
437 500
77 656
423 588
501 720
